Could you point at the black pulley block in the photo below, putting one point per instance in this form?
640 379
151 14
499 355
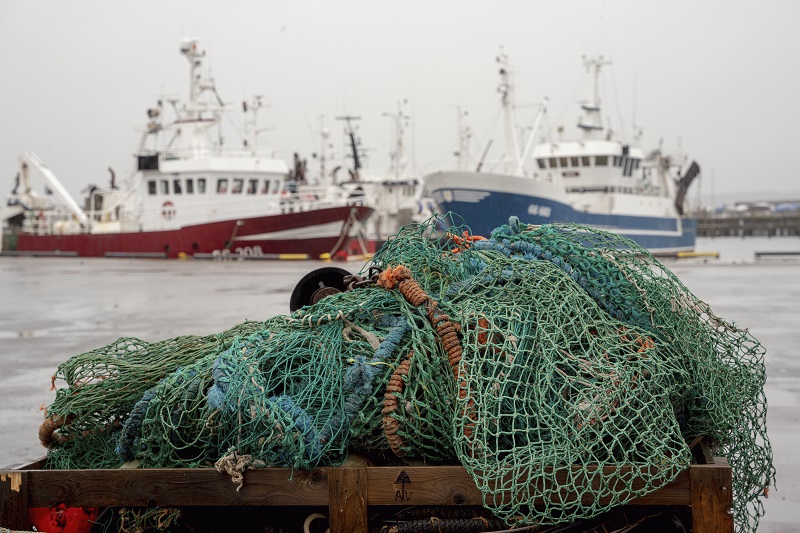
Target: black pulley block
316 285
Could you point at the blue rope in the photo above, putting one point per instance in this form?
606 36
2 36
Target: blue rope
312 447
129 438
591 280
359 378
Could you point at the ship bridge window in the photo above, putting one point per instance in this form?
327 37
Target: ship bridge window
164 187
252 186
563 162
276 186
553 162
574 161
586 161
201 185
222 185
630 166
238 185
176 186
617 161
541 164
189 186
628 170
601 160
265 186
151 187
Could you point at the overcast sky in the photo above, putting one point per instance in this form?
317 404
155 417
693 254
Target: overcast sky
718 77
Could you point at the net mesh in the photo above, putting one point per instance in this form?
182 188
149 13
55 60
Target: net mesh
566 368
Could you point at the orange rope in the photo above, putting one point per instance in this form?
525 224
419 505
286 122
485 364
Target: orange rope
390 405
47 431
463 241
447 331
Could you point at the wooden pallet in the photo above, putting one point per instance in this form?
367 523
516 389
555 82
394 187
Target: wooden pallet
346 491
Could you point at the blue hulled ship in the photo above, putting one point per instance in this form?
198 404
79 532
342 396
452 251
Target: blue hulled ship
595 180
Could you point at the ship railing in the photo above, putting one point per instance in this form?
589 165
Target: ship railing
53 221
311 198
635 190
216 151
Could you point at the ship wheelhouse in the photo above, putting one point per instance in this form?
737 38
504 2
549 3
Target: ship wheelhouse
596 167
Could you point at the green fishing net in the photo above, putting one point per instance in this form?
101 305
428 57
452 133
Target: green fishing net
567 369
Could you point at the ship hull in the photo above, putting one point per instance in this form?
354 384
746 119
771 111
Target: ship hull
308 233
485 208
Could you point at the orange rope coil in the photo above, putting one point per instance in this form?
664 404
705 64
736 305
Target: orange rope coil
390 405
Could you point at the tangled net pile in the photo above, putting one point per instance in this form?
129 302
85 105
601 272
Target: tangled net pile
548 360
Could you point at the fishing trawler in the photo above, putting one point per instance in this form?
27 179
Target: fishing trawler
394 193
595 180
189 196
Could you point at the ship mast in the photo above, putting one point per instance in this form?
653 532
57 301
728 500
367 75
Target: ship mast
399 153
196 83
592 123
464 136
251 129
506 90
193 110
351 135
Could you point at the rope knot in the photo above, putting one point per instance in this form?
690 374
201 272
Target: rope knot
392 276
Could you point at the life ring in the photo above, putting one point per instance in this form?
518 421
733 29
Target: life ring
168 210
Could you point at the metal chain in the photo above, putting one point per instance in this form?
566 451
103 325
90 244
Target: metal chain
354 281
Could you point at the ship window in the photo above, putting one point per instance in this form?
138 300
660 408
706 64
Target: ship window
176 186
617 161
630 164
276 186
541 164
601 160
222 185
574 161
201 185
164 187
563 161
553 162
265 187
151 187
585 161
252 186
636 163
189 186
238 184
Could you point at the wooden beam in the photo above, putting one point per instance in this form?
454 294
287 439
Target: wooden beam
712 497
174 487
347 495
14 499
453 485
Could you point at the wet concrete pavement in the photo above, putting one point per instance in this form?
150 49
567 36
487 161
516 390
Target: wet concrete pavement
53 308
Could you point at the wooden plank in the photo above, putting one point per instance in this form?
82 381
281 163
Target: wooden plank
347 494
421 485
428 485
34 465
174 487
453 485
712 497
14 500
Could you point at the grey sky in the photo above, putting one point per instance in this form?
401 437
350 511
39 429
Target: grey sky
721 76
